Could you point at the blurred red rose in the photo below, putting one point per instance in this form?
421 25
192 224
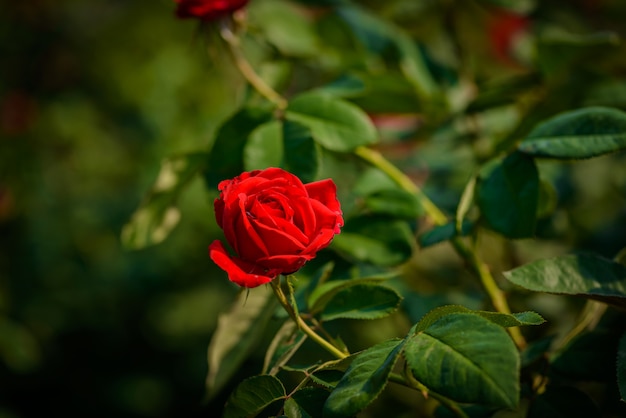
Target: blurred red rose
504 30
274 222
208 9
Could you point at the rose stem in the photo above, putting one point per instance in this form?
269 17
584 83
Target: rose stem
409 381
469 254
496 295
278 291
234 45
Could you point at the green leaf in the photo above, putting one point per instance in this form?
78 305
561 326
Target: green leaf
157 216
394 202
306 403
302 153
362 301
445 232
561 53
583 275
264 147
467 358
335 124
375 239
285 26
327 378
286 342
322 294
253 395
582 133
379 35
508 194
563 402
364 380
237 334
502 319
621 367
226 158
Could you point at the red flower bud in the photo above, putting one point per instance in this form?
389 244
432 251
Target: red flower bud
207 9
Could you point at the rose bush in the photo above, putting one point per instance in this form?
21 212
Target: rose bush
274 223
208 9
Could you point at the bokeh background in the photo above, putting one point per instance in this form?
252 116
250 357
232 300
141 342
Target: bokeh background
94 94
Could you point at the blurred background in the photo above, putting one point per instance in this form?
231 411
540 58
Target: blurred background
94 94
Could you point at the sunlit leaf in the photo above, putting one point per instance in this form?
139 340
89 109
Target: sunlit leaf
237 333
285 26
158 215
264 147
584 275
394 202
508 192
335 124
364 380
582 133
467 358
253 395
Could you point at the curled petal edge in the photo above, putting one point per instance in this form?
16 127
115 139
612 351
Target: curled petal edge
239 271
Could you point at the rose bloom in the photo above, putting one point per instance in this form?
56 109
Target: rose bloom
274 223
207 9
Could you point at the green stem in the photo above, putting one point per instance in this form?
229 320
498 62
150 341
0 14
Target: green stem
377 160
248 72
411 383
439 218
282 298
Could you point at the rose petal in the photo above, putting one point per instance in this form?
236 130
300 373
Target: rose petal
321 241
240 272
324 191
250 245
326 218
279 242
218 204
285 264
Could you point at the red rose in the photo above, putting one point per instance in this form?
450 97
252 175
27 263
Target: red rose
208 9
274 223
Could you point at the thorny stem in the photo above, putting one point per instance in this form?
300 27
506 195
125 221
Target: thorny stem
282 298
439 218
247 71
378 160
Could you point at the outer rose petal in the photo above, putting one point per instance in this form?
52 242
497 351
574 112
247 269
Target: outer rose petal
240 272
324 191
